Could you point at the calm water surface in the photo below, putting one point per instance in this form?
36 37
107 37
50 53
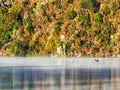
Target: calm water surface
41 78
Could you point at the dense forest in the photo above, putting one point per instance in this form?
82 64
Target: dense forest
75 28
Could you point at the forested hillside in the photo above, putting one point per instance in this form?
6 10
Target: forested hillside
75 28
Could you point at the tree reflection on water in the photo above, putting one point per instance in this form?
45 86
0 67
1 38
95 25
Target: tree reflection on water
20 78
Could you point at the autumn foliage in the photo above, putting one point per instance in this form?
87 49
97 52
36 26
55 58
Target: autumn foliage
75 28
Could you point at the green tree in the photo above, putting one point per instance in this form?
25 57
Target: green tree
72 14
98 19
29 27
85 21
70 1
88 4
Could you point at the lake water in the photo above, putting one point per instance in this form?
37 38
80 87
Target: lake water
53 78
